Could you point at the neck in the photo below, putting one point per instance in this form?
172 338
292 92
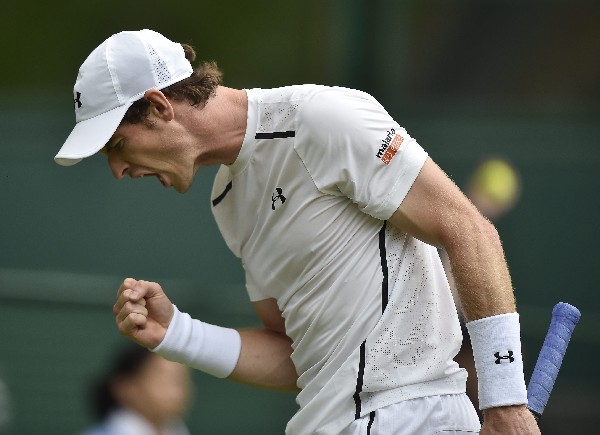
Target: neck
220 127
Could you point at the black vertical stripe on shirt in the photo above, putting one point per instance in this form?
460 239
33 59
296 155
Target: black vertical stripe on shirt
371 420
363 347
384 268
359 379
275 135
219 198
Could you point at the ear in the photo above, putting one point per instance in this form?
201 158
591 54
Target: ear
160 105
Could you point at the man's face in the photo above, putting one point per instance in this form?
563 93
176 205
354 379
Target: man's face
162 150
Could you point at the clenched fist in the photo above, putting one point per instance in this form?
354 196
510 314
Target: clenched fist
142 312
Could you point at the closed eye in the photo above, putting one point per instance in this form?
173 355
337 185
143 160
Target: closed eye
113 147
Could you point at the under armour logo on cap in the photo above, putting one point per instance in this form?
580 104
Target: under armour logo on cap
77 99
499 357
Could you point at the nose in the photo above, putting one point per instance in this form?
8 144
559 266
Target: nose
118 167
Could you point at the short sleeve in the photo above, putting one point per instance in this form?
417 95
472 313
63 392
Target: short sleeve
351 146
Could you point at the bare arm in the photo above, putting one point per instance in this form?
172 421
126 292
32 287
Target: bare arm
436 212
143 313
265 356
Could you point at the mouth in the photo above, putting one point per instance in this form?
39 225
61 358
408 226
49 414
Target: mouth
163 180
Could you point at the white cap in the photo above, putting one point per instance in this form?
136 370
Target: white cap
116 74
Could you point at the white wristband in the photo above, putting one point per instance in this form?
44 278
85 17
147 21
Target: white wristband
209 348
496 345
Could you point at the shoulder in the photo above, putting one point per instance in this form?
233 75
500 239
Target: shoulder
336 102
317 98
334 95
337 117
328 112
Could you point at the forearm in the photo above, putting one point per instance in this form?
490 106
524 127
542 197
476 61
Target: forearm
258 357
484 287
265 361
479 270
437 213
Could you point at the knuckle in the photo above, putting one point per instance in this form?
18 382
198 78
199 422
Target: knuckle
137 319
135 293
122 328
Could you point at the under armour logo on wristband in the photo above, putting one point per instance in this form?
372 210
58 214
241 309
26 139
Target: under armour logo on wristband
78 100
279 196
499 357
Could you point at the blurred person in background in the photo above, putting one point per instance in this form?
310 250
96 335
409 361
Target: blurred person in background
336 213
141 394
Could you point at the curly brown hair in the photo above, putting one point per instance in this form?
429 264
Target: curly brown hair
197 89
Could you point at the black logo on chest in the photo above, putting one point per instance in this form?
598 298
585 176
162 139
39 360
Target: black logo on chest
277 196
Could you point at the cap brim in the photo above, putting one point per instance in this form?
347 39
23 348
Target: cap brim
90 136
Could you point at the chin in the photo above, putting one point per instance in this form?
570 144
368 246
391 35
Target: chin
182 189
182 184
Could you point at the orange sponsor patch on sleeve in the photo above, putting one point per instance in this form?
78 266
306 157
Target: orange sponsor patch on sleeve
392 149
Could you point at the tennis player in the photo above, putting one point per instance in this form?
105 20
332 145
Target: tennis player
335 212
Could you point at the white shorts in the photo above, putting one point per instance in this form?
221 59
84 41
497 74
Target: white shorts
444 415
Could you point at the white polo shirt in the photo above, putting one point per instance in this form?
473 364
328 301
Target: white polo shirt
304 206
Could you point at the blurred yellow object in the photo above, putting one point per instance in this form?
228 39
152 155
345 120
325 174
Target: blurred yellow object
494 187
497 180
